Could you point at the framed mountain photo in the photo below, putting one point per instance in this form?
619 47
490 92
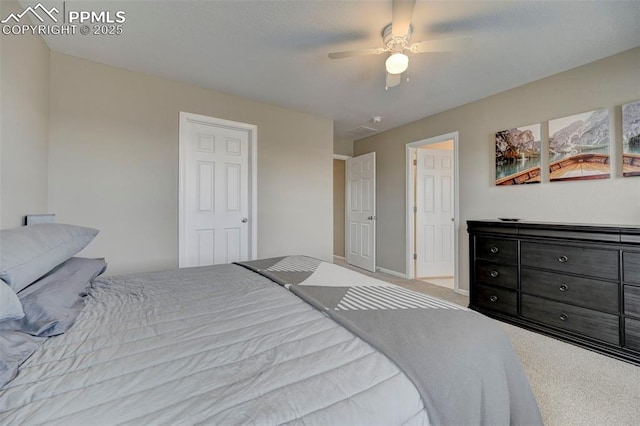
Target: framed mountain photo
518 155
579 147
631 139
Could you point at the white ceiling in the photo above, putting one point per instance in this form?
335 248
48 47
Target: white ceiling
276 51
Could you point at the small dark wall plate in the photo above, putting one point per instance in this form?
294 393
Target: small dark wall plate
32 219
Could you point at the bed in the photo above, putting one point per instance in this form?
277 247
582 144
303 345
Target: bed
272 341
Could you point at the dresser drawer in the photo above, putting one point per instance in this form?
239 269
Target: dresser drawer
590 323
497 274
598 263
632 334
631 267
632 301
594 294
496 299
497 249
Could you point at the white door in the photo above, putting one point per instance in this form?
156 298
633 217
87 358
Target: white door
434 213
214 193
361 211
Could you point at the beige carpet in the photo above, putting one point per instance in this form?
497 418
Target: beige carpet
447 282
573 386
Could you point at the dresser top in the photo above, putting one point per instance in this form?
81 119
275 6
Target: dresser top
550 225
581 231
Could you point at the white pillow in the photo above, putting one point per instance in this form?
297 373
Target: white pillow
29 252
10 306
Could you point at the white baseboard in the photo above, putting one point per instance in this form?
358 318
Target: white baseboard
390 272
462 292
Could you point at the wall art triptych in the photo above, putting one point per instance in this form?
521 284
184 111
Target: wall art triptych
579 148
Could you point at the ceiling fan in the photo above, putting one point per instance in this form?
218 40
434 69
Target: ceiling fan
396 37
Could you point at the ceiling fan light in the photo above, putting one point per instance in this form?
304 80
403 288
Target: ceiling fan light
397 63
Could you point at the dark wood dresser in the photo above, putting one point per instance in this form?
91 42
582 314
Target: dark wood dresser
579 283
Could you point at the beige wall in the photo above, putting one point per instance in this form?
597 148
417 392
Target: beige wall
24 126
448 145
113 164
338 207
608 83
343 146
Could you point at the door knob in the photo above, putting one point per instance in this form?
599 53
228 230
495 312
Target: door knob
371 217
245 220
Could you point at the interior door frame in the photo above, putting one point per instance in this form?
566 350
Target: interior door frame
252 133
410 149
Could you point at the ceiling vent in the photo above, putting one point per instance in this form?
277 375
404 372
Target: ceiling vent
362 131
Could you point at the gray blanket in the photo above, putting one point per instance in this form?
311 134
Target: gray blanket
461 362
214 345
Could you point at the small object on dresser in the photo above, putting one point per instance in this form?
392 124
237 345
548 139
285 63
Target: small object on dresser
509 219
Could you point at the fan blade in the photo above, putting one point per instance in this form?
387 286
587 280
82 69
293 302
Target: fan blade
359 52
402 13
443 45
393 80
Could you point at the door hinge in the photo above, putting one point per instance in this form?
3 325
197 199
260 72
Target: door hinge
415 162
415 256
415 209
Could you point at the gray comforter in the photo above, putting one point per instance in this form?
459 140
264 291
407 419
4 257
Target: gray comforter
461 362
213 345
224 345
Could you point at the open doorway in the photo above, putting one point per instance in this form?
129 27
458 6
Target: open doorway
339 167
431 210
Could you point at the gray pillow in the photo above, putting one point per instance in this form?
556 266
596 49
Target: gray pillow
52 303
10 307
29 252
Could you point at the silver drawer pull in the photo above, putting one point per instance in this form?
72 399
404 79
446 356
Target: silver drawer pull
563 317
563 259
494 274
494 249
563 287
493 298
